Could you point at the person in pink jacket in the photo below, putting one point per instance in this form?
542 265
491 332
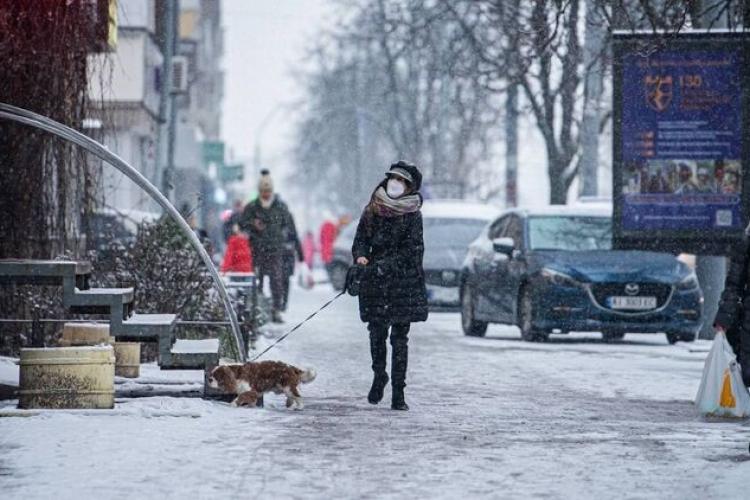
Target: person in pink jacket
308 249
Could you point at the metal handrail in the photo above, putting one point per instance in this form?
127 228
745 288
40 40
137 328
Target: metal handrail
35 120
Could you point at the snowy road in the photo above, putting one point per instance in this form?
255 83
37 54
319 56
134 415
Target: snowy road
493 417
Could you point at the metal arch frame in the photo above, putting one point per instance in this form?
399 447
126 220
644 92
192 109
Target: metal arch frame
38 121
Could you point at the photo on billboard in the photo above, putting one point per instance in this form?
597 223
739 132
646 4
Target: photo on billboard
679 148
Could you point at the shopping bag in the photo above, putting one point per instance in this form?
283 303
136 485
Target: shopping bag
722 392
305 277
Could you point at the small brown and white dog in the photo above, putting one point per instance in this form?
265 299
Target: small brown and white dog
251 380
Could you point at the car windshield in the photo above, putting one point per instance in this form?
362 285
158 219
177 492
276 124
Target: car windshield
451 233
570 233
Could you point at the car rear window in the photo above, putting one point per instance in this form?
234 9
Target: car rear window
451 233
570 233
346 237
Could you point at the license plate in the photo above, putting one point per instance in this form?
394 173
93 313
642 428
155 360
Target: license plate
442 294
633 303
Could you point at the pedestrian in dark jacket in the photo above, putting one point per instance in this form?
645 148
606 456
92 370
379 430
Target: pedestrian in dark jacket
269 224
390 244
733 316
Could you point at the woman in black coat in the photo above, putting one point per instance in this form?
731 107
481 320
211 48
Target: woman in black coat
389 243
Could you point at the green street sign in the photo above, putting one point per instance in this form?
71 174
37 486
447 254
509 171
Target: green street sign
213 152
232 173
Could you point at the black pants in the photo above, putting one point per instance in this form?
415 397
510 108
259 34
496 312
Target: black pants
271 265
399 350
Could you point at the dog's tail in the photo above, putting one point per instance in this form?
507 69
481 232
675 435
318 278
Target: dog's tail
307 376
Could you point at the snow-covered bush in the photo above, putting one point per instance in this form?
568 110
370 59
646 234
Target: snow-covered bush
168 276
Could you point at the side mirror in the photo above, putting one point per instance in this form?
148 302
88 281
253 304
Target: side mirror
504 246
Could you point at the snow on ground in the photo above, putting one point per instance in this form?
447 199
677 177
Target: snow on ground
493 417
8 371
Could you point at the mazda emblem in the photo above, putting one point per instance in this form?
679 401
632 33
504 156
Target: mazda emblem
632 289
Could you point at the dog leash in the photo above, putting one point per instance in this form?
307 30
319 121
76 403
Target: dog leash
298 326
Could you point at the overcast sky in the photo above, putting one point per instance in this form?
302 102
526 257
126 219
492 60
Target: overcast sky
264 41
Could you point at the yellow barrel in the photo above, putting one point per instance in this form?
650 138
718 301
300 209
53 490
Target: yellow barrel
75 334
67 377
127 359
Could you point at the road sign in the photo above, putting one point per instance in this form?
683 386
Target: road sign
213 152
232 173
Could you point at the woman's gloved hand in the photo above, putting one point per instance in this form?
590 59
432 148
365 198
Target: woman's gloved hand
354 277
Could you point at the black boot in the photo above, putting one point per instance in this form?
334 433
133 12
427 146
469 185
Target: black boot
378 387
378 350
399 362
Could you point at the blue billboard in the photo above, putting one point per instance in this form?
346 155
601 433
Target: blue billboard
679 141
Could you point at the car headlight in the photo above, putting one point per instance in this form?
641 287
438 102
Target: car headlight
690 282
558 278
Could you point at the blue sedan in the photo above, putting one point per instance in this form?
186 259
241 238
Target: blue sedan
554 271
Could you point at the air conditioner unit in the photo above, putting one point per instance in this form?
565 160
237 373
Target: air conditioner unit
179 74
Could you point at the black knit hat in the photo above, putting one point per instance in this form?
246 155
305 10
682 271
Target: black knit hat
408 172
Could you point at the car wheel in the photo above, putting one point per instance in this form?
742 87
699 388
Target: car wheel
337 275
528 332
612 336
470 326
672 337
688 337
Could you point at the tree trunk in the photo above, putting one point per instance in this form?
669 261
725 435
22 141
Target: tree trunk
558 186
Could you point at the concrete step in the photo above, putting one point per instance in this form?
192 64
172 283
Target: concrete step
143 326
44 272
98 300
191 354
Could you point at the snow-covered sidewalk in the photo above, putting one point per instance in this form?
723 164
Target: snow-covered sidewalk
493 417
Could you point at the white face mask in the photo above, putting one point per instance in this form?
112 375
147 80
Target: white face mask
395 188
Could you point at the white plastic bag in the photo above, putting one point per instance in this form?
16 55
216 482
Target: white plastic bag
722 392
305 277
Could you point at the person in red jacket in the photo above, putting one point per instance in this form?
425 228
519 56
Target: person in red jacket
238 257
328 232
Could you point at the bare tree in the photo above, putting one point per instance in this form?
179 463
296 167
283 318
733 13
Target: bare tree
537 48
389 86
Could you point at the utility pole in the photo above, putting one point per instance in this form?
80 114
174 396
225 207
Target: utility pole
592 91
511 112
167 111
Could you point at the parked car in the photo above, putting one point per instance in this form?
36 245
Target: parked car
107 226
449 227
554 271
342 256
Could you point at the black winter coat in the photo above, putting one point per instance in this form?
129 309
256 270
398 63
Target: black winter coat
269 228
393 287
